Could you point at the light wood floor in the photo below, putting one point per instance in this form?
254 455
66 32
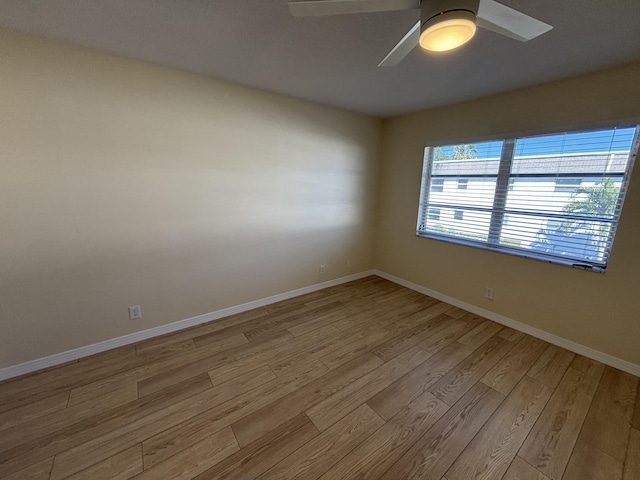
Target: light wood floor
363 380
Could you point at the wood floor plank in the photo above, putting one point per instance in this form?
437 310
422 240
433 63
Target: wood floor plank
447 335
404 323
40 427
551 366
434 452
587 365
218 335
167 442
259 456
456 312
371 458
127 428
328 318
67 375
259 423
266 329
155 343
316 457
281 366
609 419
400 393
31 411
480 334
399 343
160 366
329 411
345 353
38 471
361 318
515 364
511 335
551 441
458 381
121 466
165 348
195 459
492 450
590 462
151 384
521 470
632 463
35 450
144 390
393 312
299 346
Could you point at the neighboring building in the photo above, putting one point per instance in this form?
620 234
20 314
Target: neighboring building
540 187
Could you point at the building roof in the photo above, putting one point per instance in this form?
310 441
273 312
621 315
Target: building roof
578 163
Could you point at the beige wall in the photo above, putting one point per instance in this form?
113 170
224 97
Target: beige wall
601 311
123 183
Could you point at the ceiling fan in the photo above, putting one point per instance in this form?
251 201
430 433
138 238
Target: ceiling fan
444 24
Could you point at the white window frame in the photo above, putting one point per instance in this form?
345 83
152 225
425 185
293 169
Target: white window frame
504 185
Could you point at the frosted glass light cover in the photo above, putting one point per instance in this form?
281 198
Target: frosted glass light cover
447 31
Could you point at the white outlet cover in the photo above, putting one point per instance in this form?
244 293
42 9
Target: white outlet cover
135 312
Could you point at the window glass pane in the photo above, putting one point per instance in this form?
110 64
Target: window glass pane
566 175
434 214
567 184
468 225
556 196
463 204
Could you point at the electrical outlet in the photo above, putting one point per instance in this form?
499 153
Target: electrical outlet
348 263
135 312
322 269
489 293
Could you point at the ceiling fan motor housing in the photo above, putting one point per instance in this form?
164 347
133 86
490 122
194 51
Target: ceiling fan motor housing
430 10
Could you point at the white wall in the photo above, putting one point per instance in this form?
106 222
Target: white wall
123 183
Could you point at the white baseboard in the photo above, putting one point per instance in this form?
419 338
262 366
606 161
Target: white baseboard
605 358
75 354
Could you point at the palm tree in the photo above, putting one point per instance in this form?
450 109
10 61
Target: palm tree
599 201
581 236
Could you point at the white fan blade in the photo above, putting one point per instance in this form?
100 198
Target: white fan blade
316 8
402 49
505 20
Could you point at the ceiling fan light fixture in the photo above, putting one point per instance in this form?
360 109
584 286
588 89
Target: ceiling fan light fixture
448 30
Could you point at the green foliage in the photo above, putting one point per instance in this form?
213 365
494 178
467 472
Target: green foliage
597 201
600 200
464 151
460 152
440 155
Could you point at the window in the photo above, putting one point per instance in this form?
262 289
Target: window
562 194
434 214
567 184
437 185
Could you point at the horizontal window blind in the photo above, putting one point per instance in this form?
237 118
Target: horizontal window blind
556 197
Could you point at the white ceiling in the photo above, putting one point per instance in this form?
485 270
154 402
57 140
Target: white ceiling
332 60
